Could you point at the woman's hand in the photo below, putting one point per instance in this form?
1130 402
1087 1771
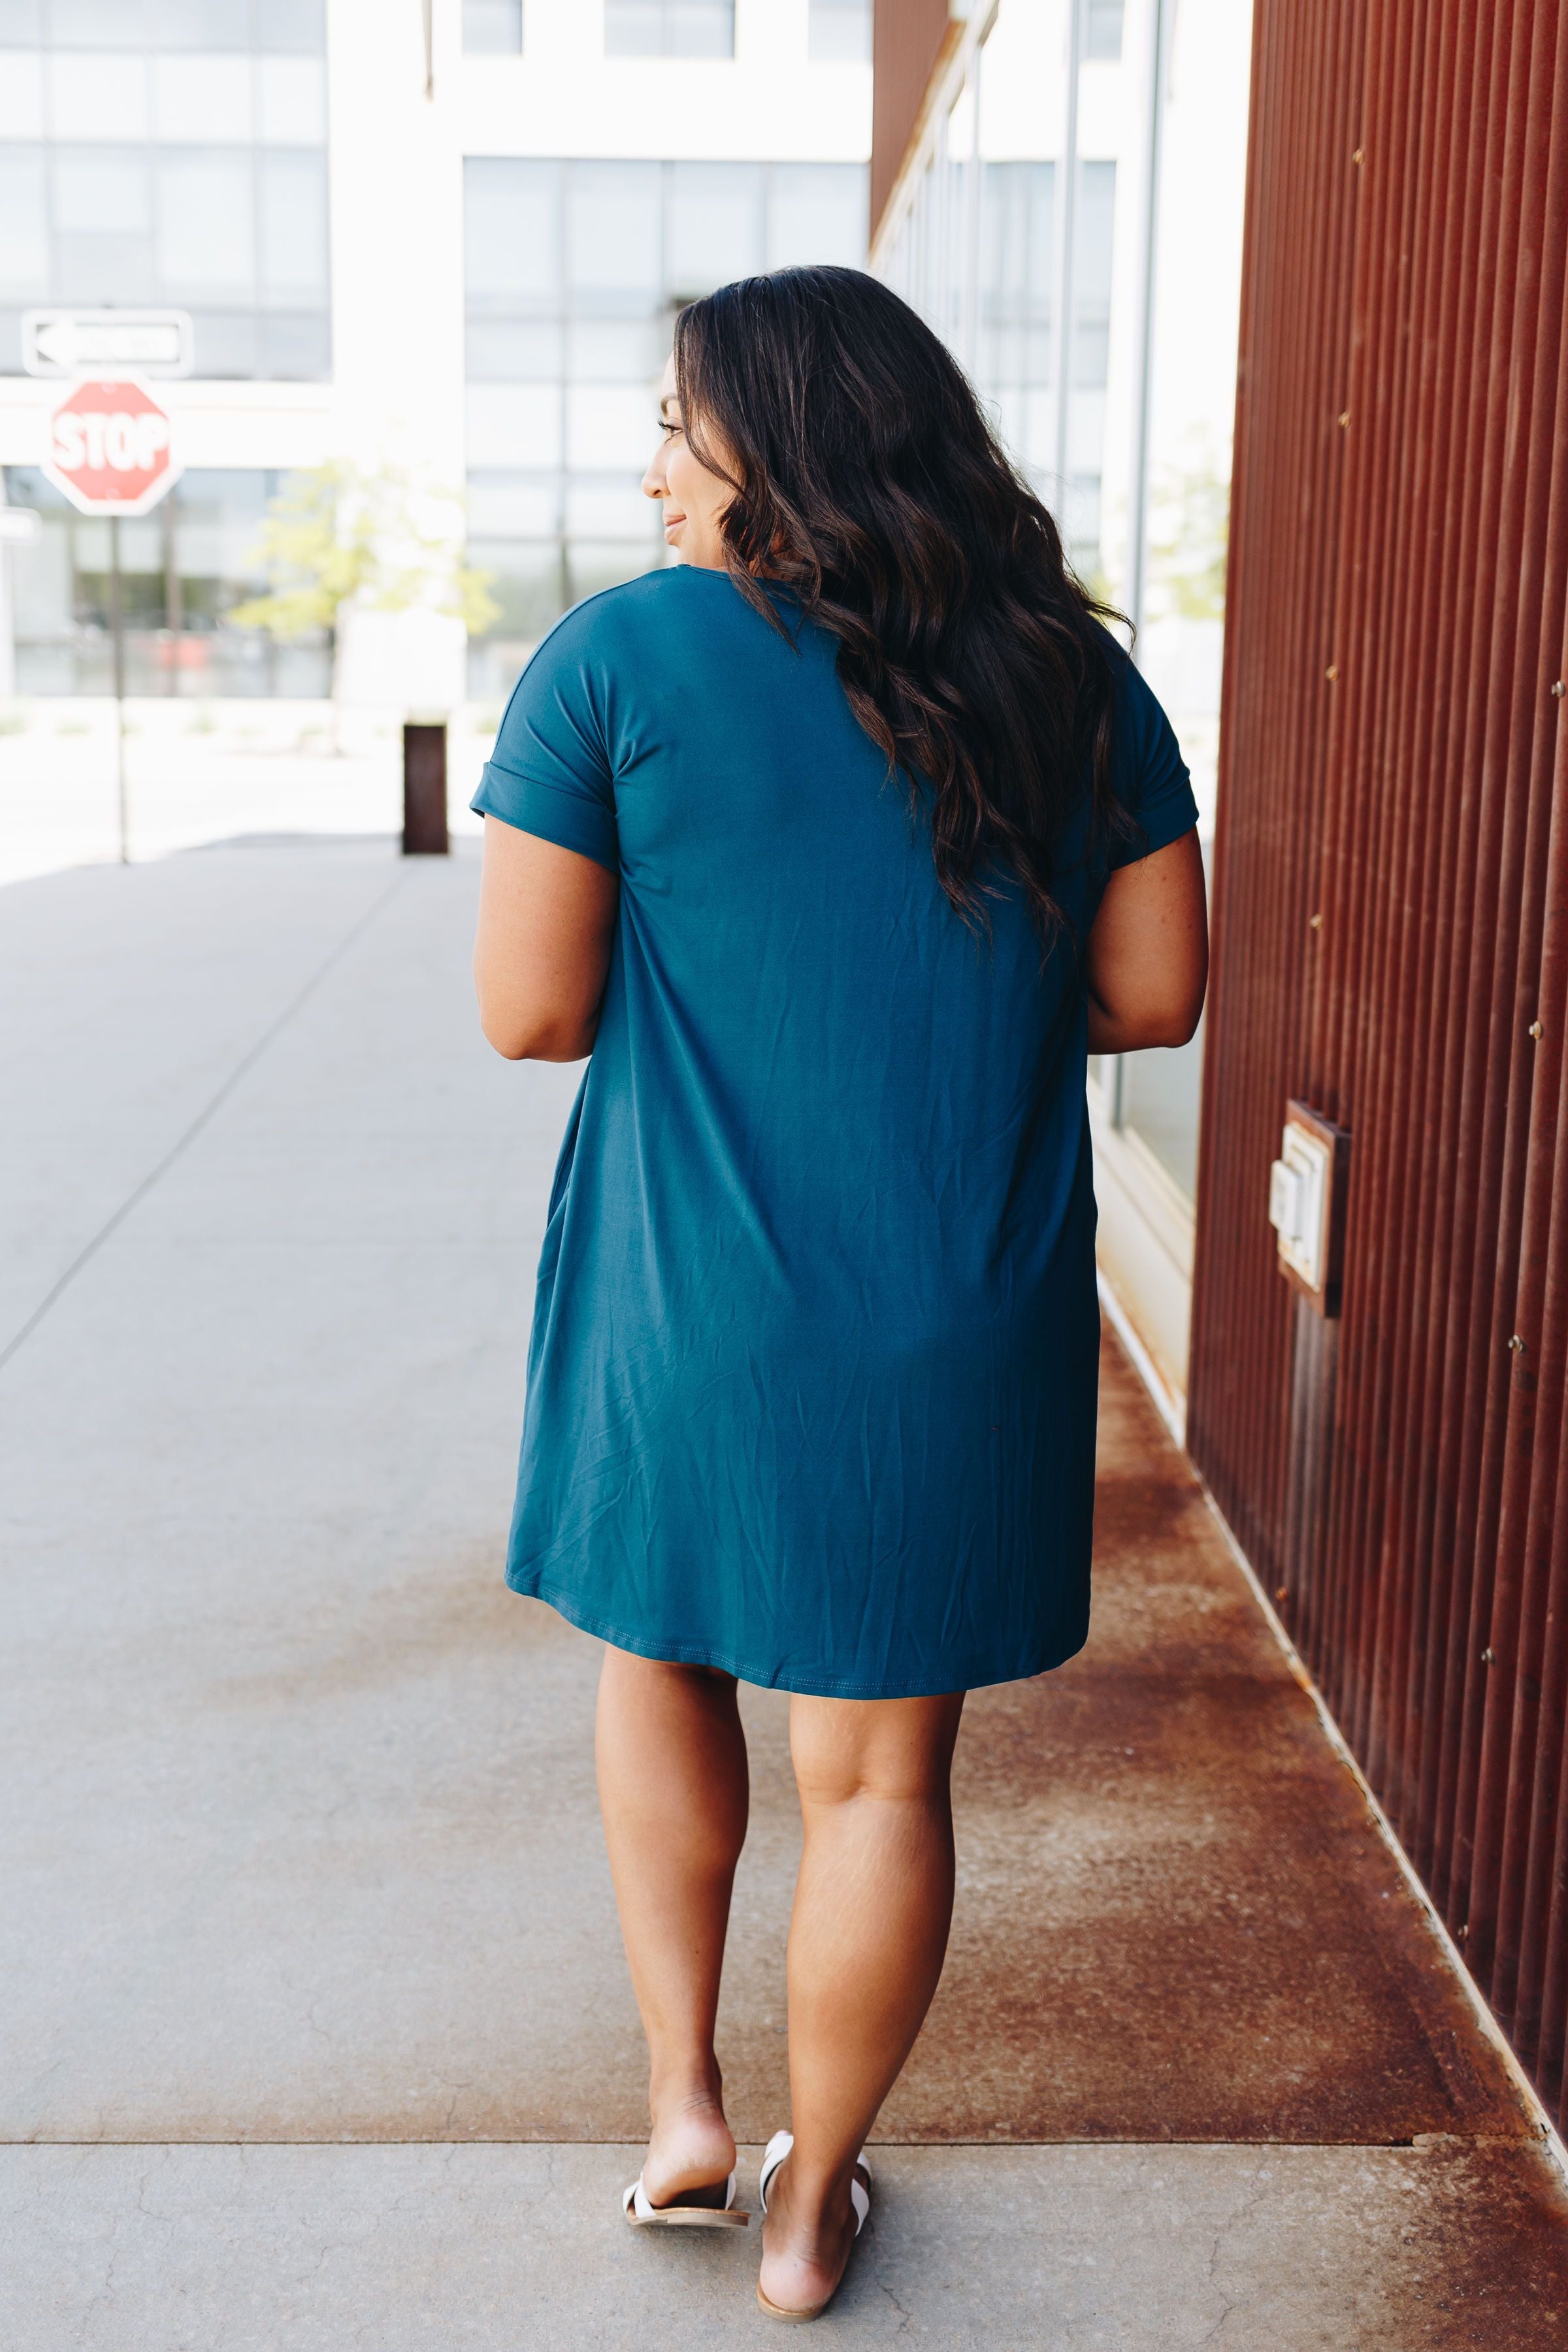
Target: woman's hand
1149 952
547 921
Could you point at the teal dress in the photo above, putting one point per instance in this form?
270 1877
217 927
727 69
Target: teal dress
812 1380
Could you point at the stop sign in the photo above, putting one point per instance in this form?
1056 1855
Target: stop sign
111 446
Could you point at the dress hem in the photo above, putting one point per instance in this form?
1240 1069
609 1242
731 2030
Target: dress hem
808 1685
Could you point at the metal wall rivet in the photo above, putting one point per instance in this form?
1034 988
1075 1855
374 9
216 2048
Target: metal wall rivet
1345 416
1316 921
1517 1345
1560 689
1489 1657
1358 153
1536 1029
1331 672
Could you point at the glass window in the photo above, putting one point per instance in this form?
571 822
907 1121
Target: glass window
296 27
613 230
669 28
511 231
206 234
492 27
293 101
97 24
202 99
102 191
294 224
1014 362
184 569
610 508
204 24
230 224
592 564
817 213
1094 225
514 350
21 23
634 28
97 96
514 425
1102 28
1158 1098
22 95
615 350
290 343
610 425
840 32
24 224
528 581
513 505
714 225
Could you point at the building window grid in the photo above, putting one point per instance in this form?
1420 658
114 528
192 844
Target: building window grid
669 28
568 329
291 28
839 32
182 568
493 28
275 324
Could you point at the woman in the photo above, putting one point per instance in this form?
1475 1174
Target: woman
836 845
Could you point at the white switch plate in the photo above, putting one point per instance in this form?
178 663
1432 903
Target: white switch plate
1298 1198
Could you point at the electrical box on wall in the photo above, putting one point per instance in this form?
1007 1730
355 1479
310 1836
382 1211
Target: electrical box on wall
1307 1204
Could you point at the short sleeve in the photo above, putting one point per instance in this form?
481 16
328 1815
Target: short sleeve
1149 773
550 772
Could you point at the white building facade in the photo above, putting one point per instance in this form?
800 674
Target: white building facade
449 241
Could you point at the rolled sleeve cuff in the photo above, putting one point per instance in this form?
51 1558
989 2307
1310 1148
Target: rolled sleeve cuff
1174 813
569 819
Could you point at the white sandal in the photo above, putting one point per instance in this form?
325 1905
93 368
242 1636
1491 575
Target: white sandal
773 2155
634 2205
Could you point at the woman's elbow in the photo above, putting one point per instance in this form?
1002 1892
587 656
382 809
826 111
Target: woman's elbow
520 1037
1156 1021
1178 1025
547 1042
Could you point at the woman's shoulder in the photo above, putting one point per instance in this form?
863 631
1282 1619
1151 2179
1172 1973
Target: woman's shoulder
621 614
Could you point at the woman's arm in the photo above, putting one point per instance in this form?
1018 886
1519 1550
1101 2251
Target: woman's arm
547 921
1149 952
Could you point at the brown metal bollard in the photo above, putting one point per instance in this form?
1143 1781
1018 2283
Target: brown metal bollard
425 789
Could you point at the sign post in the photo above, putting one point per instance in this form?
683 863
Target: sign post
111 451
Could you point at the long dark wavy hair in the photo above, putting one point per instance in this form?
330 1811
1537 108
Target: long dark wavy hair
869 483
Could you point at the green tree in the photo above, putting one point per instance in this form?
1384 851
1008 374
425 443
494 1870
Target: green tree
340 536
1191 528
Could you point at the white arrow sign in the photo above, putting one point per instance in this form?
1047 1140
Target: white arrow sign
84 342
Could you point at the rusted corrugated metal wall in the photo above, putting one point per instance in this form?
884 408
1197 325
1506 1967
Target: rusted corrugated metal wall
1392 898
908 37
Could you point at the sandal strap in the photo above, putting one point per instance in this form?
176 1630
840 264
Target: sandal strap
861 2200
773 2155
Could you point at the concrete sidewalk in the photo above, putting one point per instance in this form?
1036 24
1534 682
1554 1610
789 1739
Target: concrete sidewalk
316 2030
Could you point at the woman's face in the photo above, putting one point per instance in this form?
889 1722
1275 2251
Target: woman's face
694 498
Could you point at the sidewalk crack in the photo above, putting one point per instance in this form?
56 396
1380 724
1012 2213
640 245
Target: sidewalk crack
202 1119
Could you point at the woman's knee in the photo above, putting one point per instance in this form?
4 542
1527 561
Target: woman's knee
891 1747
628 1670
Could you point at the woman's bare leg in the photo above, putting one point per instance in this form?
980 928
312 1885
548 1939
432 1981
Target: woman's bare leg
673 1789
872 1908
